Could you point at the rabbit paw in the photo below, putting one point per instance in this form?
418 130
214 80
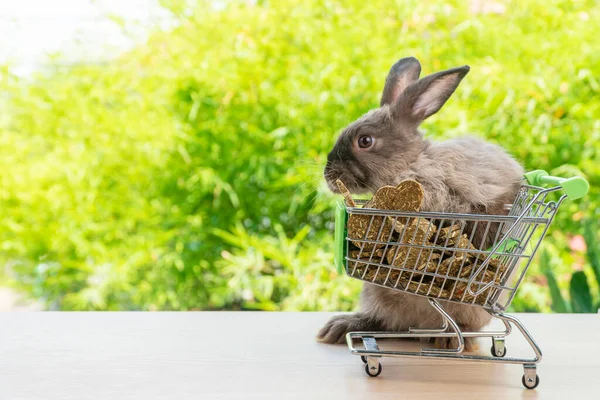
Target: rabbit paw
335 330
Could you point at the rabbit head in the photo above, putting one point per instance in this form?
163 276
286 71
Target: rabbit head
381 144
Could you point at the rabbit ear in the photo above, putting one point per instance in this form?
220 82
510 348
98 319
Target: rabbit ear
425 97
402 74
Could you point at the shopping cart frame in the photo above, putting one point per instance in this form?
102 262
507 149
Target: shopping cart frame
530 208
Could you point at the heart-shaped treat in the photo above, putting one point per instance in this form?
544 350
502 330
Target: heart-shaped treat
407 196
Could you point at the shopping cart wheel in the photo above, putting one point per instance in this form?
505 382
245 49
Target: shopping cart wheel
373 367
498 351
371 371
531 385
530 378
363 359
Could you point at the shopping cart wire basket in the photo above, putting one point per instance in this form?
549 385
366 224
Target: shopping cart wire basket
439 261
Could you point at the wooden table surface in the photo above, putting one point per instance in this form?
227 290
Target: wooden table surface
231 355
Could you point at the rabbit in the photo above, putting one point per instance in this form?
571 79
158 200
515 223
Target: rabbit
463 175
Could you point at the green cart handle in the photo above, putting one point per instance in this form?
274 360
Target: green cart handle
575 187
340 242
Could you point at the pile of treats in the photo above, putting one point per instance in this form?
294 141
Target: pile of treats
442 272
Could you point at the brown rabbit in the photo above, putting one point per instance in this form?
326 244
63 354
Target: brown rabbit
466 175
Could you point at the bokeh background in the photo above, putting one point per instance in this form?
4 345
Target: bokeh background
182 171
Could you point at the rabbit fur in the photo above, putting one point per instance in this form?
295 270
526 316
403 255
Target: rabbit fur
463 175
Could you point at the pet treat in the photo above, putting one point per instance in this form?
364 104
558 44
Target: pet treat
416 233
368 227
358 225
448 233
378 256
407 196
346 193
367 270
412 264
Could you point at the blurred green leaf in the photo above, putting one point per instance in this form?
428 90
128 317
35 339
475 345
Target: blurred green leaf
558 302
581 297
592 240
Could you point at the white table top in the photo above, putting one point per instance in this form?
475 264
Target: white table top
227 355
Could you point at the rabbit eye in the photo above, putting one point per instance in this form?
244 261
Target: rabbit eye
365 141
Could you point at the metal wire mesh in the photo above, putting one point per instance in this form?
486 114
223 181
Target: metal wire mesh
465 258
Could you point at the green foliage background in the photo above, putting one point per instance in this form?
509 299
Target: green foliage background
185 174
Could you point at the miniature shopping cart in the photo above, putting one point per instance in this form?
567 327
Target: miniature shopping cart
487 275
